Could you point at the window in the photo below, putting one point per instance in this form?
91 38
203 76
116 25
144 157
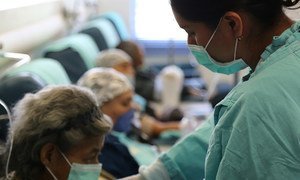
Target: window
154 21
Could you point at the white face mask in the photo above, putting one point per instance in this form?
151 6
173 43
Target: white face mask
203 58
81 171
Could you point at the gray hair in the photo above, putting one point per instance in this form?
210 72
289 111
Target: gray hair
112 57
106 83
62 115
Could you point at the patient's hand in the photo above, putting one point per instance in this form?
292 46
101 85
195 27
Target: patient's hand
134 177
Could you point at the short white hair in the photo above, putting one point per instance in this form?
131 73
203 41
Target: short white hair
112 57
106 83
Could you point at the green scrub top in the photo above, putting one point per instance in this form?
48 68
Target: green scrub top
185 160
257 131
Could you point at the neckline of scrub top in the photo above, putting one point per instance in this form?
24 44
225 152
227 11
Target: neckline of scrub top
287 37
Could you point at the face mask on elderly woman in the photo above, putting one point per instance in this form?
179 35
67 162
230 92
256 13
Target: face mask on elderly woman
81 171
123 124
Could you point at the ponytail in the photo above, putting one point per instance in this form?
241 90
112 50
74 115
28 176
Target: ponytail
290 3
266 12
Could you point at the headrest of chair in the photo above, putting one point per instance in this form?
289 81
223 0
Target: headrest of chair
72 62
13 88
97 36
81 43
49 70
118 23
106 28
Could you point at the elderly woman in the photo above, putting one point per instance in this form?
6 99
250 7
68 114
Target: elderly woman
118 60
56 133
144 77
120 156
134 50
122 62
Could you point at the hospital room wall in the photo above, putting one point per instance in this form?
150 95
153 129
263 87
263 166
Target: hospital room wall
122 7
26 26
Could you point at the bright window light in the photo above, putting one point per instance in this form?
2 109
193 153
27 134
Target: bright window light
154 20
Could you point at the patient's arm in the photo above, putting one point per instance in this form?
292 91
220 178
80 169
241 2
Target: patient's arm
153 172
153 127
134 177
185 160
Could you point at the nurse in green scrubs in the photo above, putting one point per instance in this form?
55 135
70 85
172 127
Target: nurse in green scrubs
254 132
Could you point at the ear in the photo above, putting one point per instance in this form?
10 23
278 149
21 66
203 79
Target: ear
235 23
48 154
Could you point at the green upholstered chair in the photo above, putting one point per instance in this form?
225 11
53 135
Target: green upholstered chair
77 53
103 32
48 70
28 78
118 23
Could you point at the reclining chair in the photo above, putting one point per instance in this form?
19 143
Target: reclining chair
77 53
28 78
117 22
103 32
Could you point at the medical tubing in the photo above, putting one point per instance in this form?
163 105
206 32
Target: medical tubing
12 136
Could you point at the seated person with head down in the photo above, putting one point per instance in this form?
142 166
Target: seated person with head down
122 62
56 133
120 156
134 51
145 77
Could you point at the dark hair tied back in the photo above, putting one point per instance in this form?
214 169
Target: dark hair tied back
289 3
266 12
